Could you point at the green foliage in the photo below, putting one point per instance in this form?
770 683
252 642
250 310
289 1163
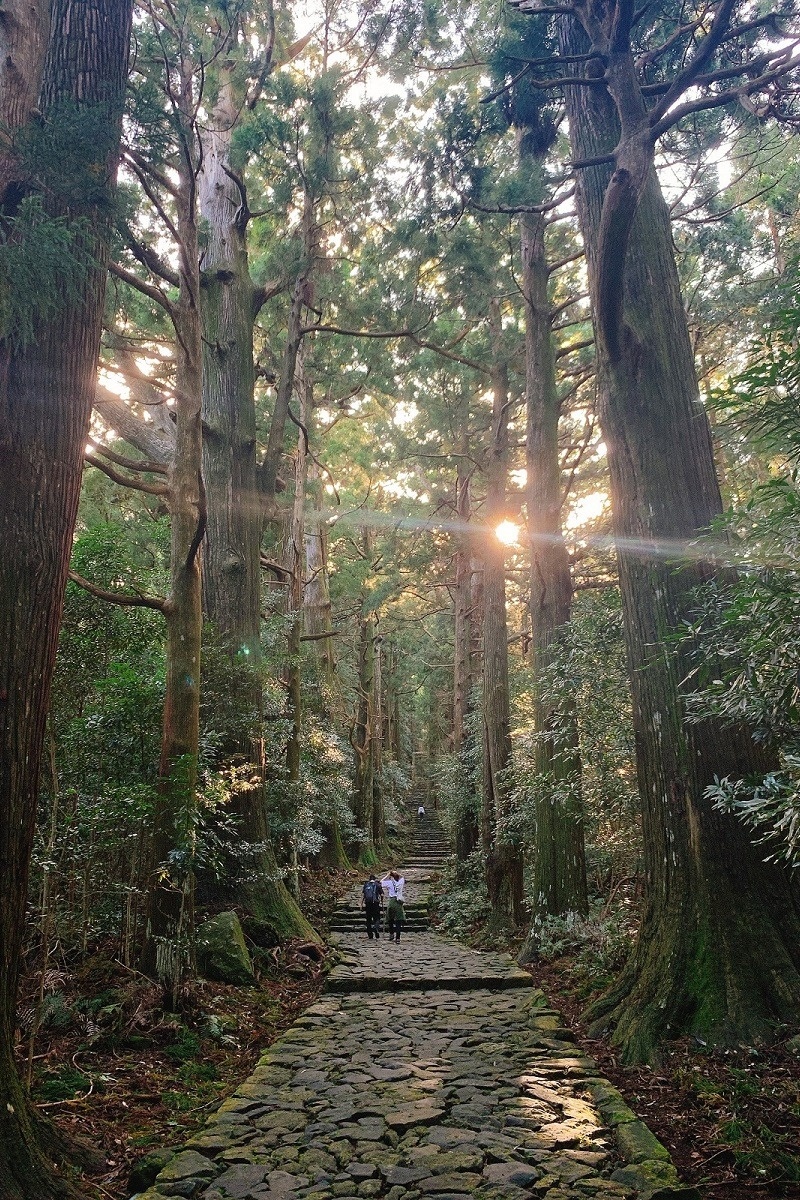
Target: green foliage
460 901
64 1084
762 400
459 777
55 1011
588 671
302 812
598 944
67 155
744 1106
185 1048
769 807
747 656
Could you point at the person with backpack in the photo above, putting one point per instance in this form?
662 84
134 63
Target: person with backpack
372 903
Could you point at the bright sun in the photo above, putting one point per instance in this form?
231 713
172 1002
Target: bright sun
507 533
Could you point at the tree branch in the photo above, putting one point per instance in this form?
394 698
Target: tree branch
131 464
147 289
148 258
123 599
702 55
138 485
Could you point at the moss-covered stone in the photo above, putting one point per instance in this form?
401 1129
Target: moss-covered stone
221 950
655 1180
637 1144
609 1103
147 1168
188 1164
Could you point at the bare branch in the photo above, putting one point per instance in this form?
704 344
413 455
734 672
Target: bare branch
130 464
709 44
123 599
147 289
138 485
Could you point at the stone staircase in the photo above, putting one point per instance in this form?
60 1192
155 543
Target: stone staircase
429 850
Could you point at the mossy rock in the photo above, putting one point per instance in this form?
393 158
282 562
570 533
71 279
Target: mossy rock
261 933
148 1167
654 1181
637 1144
221 950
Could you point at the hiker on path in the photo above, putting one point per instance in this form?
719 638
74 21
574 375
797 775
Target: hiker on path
421 811
372 903
395 912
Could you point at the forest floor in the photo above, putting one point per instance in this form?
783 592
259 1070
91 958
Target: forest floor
121 1077
730 1119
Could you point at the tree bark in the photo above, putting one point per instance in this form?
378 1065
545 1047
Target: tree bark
318 624
234 503
364 730
46 391
467 833
559 865
231 573
24 27
719 948
503 861
378 725
169 928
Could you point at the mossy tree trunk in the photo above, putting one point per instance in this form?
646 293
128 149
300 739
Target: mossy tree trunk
378 727
559 862
46 390
362 736
719 949
363 782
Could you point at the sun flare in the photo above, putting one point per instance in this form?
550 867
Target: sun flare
507 533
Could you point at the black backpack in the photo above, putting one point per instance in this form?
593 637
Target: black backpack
372 891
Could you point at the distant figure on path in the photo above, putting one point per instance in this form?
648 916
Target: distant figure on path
372 903
395 912
421 810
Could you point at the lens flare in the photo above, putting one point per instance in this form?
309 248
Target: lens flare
507 533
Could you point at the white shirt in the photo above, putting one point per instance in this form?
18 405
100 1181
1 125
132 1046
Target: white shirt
395 888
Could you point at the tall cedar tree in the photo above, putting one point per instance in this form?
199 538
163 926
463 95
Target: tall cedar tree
46 391
559 860
719 948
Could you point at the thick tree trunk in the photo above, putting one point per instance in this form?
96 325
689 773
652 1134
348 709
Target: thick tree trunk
270 468
23 43
170 917
719 949
235 507
559 865
231 572
317 609
46 392
318 624
296 562
503 861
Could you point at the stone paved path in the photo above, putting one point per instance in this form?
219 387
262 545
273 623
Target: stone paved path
444 1075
